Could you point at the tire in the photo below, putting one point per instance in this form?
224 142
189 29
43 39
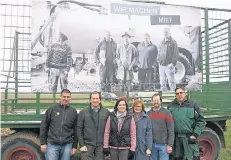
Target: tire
209 144
20 146
183 68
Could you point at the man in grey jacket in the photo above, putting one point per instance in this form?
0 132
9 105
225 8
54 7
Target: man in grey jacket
90 129
167 58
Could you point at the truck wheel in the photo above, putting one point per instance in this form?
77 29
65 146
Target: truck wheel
20 146
183 67
209 144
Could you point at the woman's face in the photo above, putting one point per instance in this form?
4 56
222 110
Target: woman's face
122 106
138 108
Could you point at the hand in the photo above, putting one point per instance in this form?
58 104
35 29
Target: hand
192 137
131 155
43 148
47 70
171 65
106 151
169 149
83 149
66 73
73 151
148 152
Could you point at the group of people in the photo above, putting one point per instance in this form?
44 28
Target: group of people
125 133
118 62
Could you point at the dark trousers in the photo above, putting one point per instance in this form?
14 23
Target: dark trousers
146 78
119 154
93 153
106 76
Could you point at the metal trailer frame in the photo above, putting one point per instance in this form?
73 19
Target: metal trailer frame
23 110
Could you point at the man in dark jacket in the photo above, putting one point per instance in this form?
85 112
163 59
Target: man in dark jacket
58 130
58 63
146 62
167 58
90 129
189 124
105 55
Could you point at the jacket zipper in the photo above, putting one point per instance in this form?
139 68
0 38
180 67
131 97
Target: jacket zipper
63 117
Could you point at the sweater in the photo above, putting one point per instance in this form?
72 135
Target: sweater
162 126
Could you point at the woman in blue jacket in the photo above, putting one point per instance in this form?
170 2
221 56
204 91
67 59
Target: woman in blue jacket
144 138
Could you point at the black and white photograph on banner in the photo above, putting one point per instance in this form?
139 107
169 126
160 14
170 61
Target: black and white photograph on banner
114 46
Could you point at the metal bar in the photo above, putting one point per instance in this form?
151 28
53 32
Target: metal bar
14 82
219 40
217 31
14 60
5 26
229 47
16 69
37 102
219 61
207 54
15 15
215 25
6 101
218 46
218 35
17 5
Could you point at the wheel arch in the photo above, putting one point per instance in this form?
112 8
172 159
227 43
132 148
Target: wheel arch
219 131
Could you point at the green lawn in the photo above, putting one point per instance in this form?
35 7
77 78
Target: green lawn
226 153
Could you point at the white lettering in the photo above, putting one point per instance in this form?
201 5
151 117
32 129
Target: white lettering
165 20
120 9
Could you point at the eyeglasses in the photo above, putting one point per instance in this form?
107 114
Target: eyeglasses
179 93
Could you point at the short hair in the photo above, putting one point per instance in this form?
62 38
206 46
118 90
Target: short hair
117 103
95 92
138 102
155 95
63 37
179 88
147 34
65 91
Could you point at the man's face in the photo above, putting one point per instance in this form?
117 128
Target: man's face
108 36
146 39
156 101
180 95
121 106
126 39
166 33
95 100
65 98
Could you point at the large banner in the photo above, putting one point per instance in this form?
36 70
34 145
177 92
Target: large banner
114 46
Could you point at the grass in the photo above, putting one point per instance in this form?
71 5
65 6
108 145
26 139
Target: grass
226 152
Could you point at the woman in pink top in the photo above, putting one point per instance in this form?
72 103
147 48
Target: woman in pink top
120 133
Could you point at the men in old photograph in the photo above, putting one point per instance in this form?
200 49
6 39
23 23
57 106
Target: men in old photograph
146 62
167 58
58 63
126 56
105 54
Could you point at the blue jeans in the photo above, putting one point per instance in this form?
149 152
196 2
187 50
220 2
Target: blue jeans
159 152
58 152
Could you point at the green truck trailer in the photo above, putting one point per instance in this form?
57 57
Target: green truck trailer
22 110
